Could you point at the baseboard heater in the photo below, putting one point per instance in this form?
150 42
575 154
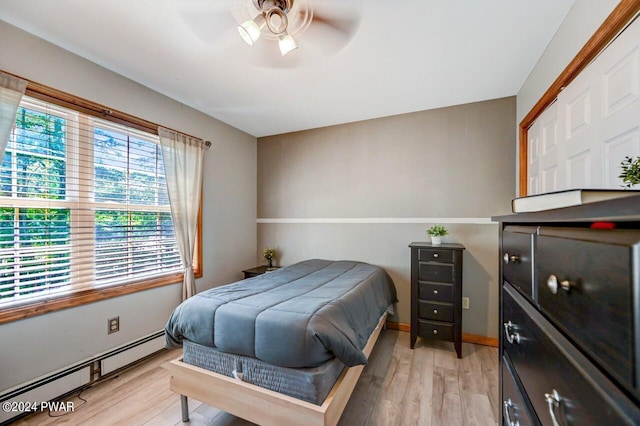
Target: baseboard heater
70 379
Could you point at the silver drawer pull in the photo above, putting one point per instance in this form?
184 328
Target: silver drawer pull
511 337
435 331
553 401
436 255
552 284
435 311
508 406
435 291
511 258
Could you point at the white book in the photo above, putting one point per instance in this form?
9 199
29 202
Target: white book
568 198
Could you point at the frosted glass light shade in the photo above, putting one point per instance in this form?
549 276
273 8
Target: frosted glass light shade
250 30
287 44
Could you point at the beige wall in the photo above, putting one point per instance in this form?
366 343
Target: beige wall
365 190
40 345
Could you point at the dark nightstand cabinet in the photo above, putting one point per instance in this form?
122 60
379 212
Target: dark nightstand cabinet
258 270
436 293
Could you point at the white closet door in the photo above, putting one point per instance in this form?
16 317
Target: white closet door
550 179
593 125
579 149
618 69
533 155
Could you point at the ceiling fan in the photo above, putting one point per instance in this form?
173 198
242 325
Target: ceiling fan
320 30
327 28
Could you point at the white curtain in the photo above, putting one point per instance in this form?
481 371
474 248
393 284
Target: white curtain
183 158
11 91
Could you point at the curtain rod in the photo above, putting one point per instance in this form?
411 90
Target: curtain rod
49 94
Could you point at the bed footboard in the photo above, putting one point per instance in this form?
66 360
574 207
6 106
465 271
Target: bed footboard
263 406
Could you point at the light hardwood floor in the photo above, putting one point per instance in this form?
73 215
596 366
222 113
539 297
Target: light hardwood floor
399 386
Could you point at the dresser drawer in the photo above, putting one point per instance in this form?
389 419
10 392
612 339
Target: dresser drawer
436 255
584 285
515 408
552 369
435 330
439 272
435 311
517 258
435 292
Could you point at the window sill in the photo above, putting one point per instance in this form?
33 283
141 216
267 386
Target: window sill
82 297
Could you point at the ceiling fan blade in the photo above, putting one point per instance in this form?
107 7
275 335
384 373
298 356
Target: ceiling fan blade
266 54
211 22
325 37
347 26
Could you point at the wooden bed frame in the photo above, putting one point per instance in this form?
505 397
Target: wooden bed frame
260 405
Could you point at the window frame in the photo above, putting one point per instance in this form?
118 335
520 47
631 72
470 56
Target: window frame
91 295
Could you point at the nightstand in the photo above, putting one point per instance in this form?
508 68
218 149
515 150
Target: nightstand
436 293
258 270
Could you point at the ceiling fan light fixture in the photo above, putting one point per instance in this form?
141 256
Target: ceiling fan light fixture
276 20
250 30
287 43
273 16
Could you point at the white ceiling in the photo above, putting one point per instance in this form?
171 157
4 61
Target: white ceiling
404 56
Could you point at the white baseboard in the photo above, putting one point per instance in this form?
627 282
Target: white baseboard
122 359
47 391
60 382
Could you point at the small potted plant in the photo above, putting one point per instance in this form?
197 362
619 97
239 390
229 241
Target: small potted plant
436 232
630 172
269 254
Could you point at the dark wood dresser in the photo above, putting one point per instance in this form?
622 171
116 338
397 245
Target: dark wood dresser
569 311
436 293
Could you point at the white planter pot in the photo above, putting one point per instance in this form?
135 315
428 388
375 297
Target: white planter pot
436 241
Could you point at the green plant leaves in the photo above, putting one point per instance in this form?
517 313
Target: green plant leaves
437 231
630 171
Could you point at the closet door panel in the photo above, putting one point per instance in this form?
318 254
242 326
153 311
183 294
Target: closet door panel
533 167
616 149
549 143
618 69
580 150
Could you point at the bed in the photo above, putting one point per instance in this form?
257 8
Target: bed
289 344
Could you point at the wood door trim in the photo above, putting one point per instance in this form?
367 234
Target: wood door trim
610 28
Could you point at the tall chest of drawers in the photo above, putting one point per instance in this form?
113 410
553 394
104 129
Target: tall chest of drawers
436 293
570 315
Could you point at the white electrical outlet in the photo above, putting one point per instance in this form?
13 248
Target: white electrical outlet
113 325
465 303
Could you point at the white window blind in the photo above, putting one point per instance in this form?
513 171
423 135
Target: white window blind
83 203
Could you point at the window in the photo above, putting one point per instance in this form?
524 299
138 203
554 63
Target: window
83 205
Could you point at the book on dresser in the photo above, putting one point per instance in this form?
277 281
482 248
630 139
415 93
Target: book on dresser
567 198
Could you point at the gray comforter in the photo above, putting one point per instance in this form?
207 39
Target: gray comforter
298 316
